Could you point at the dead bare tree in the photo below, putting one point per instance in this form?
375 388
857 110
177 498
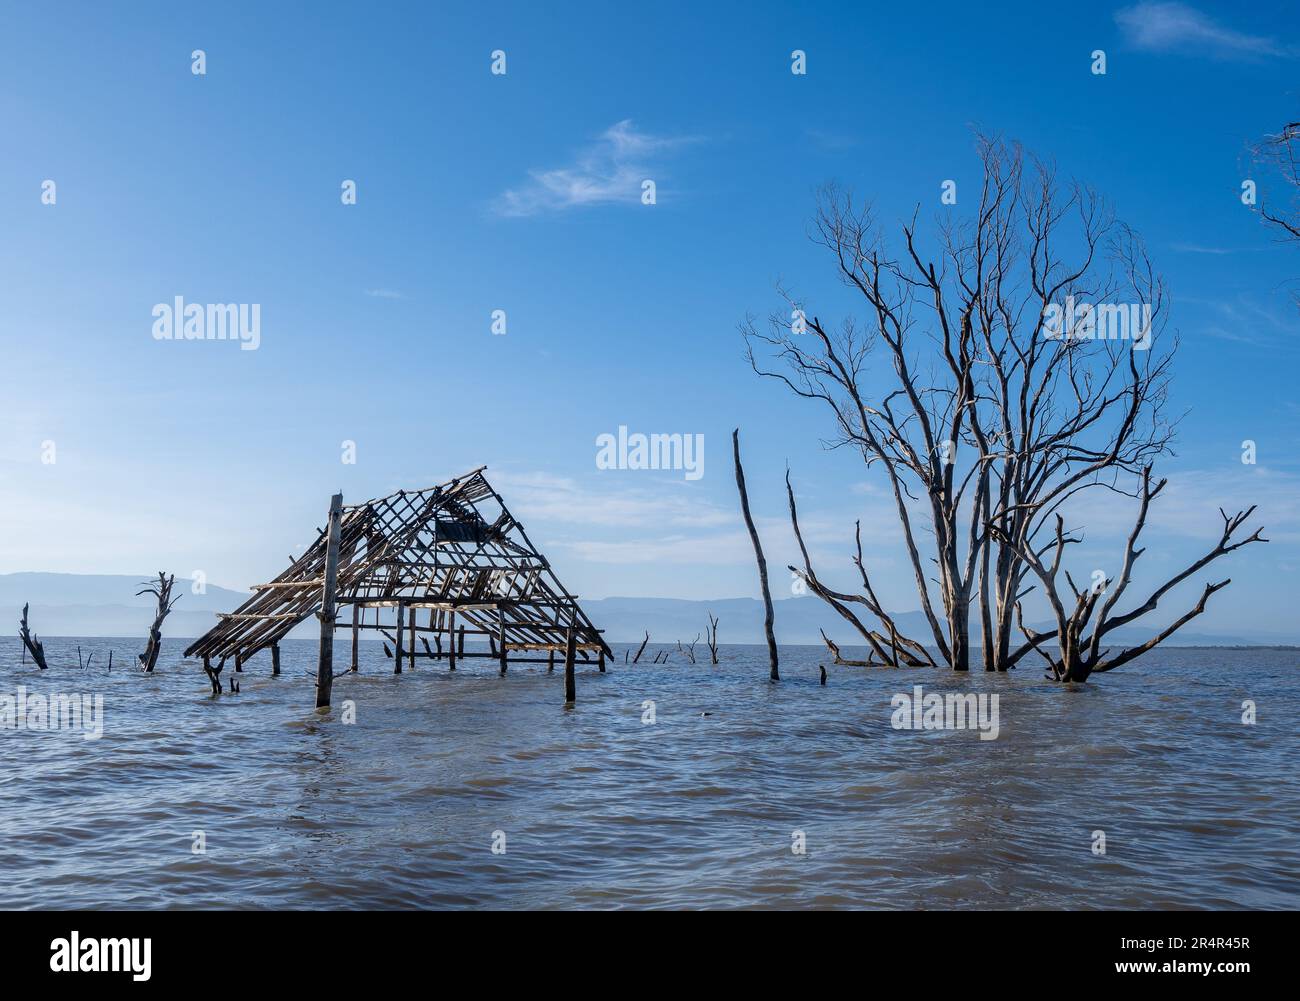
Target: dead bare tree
1079 651
688 651
641 649
713 638
161 589
769 615
1024 364
32 645
1281 154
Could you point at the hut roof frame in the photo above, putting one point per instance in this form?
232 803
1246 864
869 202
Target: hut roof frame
453 547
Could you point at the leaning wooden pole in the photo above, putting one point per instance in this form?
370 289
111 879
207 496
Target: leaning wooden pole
570 652
356 634
768 615
325 667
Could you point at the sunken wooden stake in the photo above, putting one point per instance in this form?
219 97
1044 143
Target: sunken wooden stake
602 662
325 665
410 653
451 640
275 659
397 640
356 633
570 649
31 644
501 639
239 663
550 661
214 676
758 555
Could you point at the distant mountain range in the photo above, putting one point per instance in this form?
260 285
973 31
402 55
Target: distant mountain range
107 605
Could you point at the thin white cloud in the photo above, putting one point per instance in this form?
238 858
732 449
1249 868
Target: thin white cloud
1194 248
384 293
1177 27
610 171
560 499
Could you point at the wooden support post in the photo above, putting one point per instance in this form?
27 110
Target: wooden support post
239 663
550 661
602 661
461 642
570 650
410 653
356 633
397 654
451 640
325 666
501 639
275 659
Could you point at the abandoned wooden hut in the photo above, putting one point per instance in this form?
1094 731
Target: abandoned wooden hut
433 566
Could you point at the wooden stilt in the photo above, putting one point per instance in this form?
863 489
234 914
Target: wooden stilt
397 654
325 666
451 640
602 662
570 650
550 661
356 634
501 639
410 659
239 663
275 659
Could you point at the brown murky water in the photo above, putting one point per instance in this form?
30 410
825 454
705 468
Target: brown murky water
599 809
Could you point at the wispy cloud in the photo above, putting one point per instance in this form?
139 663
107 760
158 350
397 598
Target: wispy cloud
609 171
1176 27
1195 248
560 499
385 293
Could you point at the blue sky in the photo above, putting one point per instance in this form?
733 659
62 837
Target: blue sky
520 192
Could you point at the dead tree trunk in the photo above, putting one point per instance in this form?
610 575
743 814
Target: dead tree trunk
768 615
641 648
713 638
33 646
161 589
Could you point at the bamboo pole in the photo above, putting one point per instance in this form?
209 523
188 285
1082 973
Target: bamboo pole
325 665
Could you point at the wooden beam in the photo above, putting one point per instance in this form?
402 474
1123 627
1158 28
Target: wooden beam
325 664
397 654
501 639
356 634
570 690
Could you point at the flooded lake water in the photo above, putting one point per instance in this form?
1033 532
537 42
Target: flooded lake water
597 809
